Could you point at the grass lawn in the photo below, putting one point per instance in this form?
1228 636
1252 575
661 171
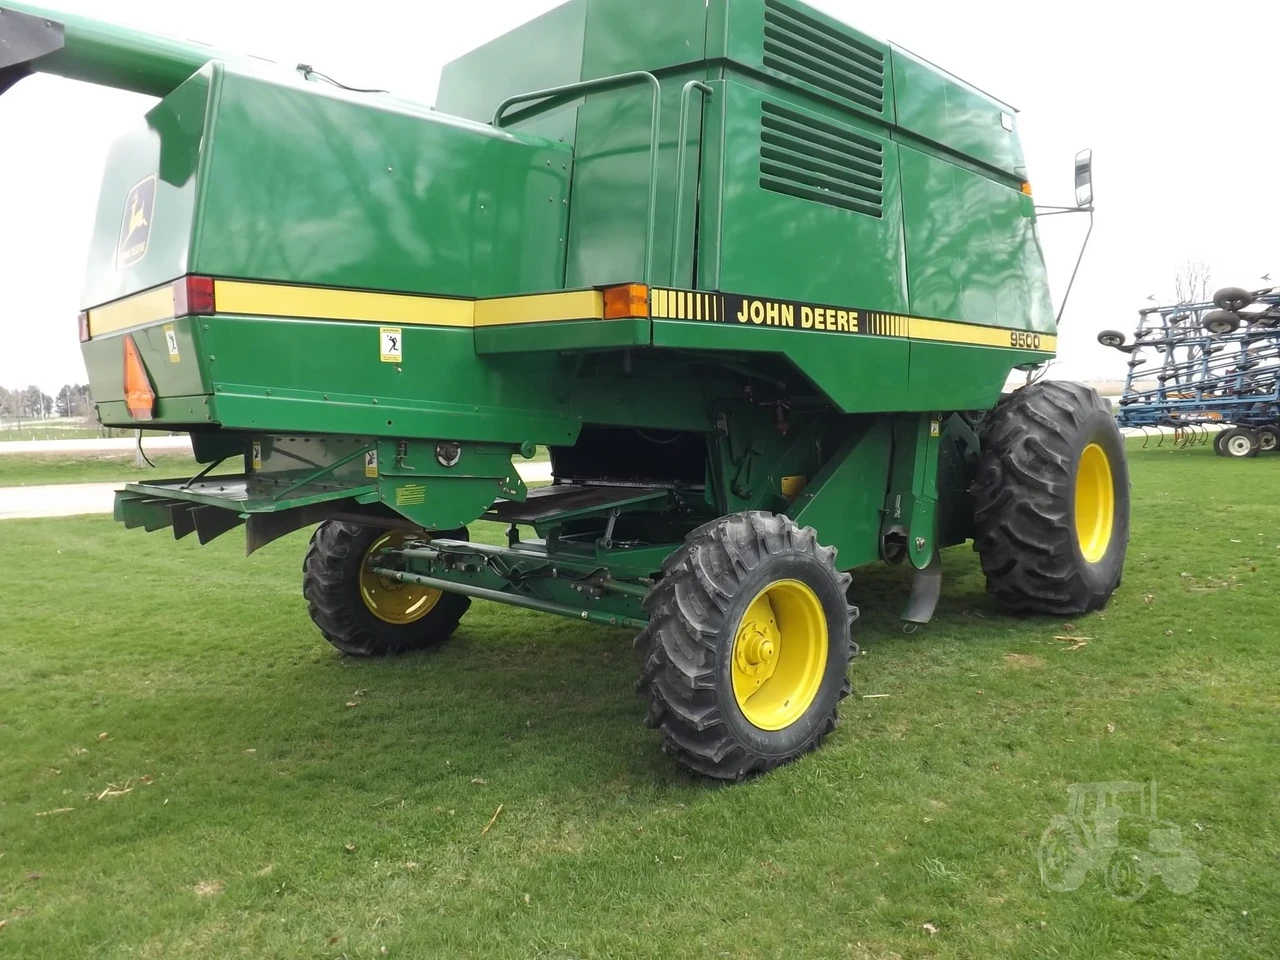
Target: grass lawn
187 770
23 469
60 428
27 469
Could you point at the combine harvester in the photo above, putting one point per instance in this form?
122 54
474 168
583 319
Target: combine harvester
1193 366
755 278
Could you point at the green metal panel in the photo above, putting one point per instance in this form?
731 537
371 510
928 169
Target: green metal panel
779 245
310 184
910 507
947 376
589 39
654 36
972 249
187 374
606 242
414 483
610 199
169 412
168 147
862 374
567 335
545 52
300 376
946 111
842 502
803 48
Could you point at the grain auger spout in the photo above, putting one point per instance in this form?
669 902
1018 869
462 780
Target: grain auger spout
36 40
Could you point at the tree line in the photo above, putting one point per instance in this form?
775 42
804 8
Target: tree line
32 403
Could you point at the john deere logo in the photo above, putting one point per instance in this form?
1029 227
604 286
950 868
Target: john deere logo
135 229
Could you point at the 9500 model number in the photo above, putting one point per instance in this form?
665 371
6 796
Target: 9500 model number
1024 340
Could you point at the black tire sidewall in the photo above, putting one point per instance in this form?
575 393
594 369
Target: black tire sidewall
377 636
1230 435
391 636
1100 427
794 738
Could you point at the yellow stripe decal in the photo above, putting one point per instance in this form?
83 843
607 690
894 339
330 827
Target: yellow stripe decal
323 303
146 307
735 309
575 305
945 331
320 303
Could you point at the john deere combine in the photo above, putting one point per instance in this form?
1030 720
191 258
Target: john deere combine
756 279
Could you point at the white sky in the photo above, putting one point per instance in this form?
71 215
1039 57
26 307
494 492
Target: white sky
1178 102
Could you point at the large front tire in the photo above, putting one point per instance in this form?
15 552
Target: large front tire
360 613
748 645
1052 500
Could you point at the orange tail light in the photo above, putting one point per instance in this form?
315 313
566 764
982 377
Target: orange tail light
628 300
138 395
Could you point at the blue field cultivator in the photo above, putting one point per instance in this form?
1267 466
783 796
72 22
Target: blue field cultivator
1197 366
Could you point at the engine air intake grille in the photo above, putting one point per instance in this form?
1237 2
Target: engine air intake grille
804 48
820 161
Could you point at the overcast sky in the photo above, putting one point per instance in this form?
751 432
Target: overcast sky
1178 102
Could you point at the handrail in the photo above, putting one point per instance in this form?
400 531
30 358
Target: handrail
555 99
681 150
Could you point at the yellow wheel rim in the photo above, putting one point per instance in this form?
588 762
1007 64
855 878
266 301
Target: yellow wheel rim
779 654
1095 503
398 603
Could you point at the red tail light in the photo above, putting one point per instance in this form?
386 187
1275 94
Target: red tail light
193 296
139 398
82 322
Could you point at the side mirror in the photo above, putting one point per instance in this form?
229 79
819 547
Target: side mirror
1084 178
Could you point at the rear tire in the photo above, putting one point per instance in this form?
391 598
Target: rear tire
1052 500
1240 444
362 615
727 705
1268 438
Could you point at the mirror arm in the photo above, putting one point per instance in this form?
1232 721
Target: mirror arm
1072 282
1053 211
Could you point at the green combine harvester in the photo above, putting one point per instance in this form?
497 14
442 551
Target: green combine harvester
756 279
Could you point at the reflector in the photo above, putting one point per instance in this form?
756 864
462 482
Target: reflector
628 300
139 398
193 296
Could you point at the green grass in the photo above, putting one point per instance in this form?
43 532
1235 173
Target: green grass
58 430
267 818
21 469
26 469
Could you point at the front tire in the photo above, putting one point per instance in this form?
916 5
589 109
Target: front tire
360 613
1052 500
748 646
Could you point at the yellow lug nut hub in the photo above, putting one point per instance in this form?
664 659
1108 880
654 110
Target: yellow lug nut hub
398 603
1095 503
779 654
